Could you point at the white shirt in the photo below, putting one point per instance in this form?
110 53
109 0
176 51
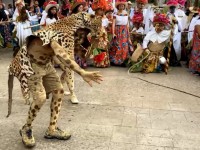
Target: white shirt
34 18
153 36
140 30
180 14
90 11
131 13
148 15
50 21
105 22
195 21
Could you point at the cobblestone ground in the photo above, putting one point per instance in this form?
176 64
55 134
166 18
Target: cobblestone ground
123 113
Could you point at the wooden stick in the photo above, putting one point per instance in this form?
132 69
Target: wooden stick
34 26
169 49
3 22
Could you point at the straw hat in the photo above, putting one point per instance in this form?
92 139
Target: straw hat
77 3
195 8
51 4
129 3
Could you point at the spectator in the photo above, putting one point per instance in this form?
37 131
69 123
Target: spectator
37 9
119 51
100 44
4 27
21 25
194 63
130 11
19 4
51 10
34 18
10 10
64 10
81 33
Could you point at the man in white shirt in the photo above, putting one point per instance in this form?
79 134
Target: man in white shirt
130 11
176 47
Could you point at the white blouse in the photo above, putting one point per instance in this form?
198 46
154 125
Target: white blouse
121 20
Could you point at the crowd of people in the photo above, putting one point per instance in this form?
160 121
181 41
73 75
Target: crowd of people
145 37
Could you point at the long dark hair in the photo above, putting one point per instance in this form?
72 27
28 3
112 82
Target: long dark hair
50 15
23 16
3 16
75 10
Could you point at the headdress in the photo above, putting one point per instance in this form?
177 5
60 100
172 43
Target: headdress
161 18
142 1
109 7
182 2
138 17
172 3
99 4
117 2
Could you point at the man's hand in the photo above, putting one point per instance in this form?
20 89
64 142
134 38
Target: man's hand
92 76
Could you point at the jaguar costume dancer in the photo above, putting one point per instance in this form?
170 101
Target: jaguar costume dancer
34 69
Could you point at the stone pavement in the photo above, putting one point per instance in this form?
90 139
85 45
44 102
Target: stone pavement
123 113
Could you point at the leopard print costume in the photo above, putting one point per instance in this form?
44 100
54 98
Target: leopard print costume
62 32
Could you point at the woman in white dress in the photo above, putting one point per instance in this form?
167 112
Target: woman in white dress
22 22
119 51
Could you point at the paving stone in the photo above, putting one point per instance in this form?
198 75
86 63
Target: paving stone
124 135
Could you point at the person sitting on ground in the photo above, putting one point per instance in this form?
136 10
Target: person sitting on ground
149 56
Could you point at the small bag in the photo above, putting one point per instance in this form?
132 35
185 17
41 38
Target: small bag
137 53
